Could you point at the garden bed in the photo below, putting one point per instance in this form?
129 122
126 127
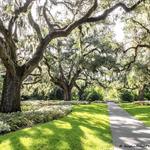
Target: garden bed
40 103
86 128
17 120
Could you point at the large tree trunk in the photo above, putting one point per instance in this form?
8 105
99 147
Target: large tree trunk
10 101
67 93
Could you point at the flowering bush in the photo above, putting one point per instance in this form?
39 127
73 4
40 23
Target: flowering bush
18 120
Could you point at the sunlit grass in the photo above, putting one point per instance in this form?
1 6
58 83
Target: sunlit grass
86 128
141 112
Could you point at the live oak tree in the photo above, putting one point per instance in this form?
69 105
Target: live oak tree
134 64
137 28
141 66
17 15
66 60
136 56
73 62
137 68
141 75
79 62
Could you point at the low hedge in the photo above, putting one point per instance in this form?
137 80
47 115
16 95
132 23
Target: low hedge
36 104
17 120
142 102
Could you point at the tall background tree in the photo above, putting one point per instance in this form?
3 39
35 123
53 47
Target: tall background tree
29 26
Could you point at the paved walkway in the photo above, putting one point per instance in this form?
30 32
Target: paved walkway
127 132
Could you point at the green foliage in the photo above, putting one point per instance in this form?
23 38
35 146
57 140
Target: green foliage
17 120
94 96
147 93
141 112
126 96
73 132
75 94
37 104
56 94
4 127
142 103
36 95
36 91
41 92
135 96
94 93
111 94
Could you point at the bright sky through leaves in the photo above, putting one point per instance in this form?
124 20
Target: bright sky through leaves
118 30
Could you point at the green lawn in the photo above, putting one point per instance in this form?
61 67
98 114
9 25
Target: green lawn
141 112
86 128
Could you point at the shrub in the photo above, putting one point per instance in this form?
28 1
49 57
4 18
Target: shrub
4 127
92 96
25 97
17 120
38 104
59 94
126 96
147 95
56 93
85 95
75 94
135 97
36 94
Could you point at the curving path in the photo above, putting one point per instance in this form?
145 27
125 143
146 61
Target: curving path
127 132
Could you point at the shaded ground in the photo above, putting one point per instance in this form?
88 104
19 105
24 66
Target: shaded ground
141 112
127 132
87 128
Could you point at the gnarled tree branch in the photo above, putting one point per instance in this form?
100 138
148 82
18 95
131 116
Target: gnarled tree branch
35 26
38 55
17 12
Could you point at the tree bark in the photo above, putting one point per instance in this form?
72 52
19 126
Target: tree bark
67 93
10 101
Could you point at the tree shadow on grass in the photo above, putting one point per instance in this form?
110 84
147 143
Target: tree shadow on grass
140 112
66 133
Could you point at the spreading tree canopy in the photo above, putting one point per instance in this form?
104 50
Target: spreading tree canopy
27 27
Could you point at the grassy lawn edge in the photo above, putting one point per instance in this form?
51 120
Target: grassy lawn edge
140 112
87 127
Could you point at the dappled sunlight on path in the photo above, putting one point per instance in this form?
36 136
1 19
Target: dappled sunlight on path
128 133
